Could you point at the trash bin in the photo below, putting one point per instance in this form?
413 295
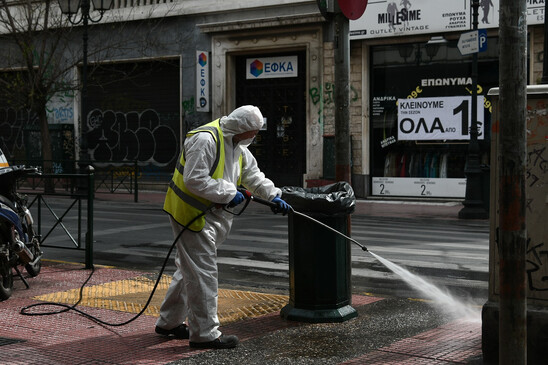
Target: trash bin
319 259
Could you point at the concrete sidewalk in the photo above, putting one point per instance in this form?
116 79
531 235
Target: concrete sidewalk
387 330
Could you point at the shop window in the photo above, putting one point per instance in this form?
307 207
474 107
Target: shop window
421 117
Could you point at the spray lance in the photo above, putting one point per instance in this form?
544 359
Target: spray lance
276 209
249 197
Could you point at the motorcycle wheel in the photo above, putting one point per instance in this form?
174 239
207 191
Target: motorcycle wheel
6 282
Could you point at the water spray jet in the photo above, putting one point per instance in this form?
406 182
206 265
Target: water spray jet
442 299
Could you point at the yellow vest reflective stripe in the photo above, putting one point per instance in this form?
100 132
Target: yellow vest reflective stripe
180 203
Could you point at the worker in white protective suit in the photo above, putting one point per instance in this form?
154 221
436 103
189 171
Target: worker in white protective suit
214 161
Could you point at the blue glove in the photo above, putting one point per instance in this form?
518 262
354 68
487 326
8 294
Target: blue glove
237 200
282 207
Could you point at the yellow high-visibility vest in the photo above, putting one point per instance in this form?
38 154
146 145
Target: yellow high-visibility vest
180 203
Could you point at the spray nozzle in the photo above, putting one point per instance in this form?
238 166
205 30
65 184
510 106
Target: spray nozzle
250 196
246 193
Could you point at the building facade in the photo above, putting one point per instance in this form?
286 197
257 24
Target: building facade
417 91
158 69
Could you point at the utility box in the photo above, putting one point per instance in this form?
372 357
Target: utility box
319 259
537 234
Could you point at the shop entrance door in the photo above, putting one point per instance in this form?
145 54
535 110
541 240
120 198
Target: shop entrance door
280 148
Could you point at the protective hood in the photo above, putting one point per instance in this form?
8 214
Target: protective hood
243 119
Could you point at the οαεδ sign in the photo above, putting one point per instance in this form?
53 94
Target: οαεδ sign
271 67
443 118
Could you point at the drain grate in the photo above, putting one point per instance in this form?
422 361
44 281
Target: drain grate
9 341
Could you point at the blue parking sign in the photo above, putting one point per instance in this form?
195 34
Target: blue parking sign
482 40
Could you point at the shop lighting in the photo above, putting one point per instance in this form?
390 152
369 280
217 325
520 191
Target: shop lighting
405 51
71 7
438 39
433 46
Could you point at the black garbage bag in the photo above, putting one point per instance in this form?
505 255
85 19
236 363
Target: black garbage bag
333 199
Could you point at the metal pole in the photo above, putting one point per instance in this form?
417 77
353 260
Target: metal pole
85 12
83 119
342 96
512 155
40 215
89 233
473 201
136 173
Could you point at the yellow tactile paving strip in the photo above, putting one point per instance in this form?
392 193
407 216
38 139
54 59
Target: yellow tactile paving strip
131 295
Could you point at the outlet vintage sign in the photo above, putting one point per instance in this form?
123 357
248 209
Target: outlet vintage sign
388 18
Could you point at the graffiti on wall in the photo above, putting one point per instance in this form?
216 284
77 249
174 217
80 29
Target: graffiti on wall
324 97
536 165
537 122
536 174
188 106
141 136
60 108
12 126
537 259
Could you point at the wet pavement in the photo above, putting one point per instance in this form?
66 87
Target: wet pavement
387 330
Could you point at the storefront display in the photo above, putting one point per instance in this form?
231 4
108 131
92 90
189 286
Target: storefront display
421 117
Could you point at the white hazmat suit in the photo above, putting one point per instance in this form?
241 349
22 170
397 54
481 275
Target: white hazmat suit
193 290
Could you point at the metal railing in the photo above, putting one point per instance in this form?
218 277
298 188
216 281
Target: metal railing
115 177
75 189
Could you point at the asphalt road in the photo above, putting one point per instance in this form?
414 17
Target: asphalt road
451 254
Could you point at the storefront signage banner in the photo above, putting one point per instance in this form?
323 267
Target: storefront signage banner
419 187
202 81
443 118
271 67
388 18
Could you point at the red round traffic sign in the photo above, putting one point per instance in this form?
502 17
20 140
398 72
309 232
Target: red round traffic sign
352 9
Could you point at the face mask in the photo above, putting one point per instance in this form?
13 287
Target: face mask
243 144
246 142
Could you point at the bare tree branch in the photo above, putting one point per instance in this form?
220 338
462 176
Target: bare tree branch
41 50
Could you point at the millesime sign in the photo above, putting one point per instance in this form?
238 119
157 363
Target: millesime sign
388 18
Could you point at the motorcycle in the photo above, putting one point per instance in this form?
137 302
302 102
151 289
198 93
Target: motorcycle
19 243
